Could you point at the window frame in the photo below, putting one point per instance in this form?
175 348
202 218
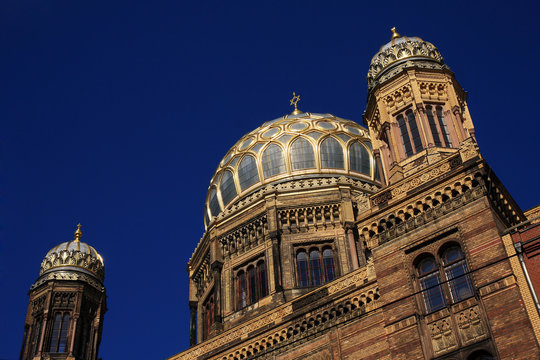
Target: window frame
254 291
308 249
62 332
411 137
444 282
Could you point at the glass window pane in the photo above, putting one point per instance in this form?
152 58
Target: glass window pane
332 154
273 161
315 267
328 259
414 131
63 334
252 286
214 203
242 290
433 294
262 280
404 135
55 333
444 128
433 126
227 188
302 155
302 269
359 159
247 172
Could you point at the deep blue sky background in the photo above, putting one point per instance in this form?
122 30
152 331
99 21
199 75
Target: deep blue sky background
116 114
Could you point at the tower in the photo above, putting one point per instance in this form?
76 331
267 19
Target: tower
326 240
67 304
416 111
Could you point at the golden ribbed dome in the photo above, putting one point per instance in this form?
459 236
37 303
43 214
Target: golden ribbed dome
74 255
300 145
399 51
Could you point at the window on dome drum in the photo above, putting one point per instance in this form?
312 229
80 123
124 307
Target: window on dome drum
247 172
208 315
359 158
438 126
451 276
36 332
312 269
214 203
59 333
227 187
302 155
273 161
251 283
332 154
410 135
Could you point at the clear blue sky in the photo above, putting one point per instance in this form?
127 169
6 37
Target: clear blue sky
116 114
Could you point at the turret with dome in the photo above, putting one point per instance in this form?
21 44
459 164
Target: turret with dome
67 304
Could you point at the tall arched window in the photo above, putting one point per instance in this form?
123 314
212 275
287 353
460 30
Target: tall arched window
59 333
252 284
359 159
410 134
242 289
444 128
36 334
208 315
302 268
227 187
328 260
438 126
302 155
273 161
332 154
315 267
261 275
214 203
457 274
433 126
430 280
247 172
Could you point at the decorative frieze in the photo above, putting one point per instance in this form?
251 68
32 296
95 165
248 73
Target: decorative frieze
244 237
318 217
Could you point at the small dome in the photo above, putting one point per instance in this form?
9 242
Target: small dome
74 255
299 145
398 51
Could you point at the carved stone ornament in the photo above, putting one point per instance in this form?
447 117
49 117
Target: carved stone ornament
442 337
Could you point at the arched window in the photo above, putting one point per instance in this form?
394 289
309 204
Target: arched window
457 274
332 154
59 333
302 268
315 267
410 134
359 159
444 128
302 155
430 280
252 283
214 203
36 334
261 277
328 260
247 172
414 131
227 187
314 270
273 161
438 127
242 289
208 315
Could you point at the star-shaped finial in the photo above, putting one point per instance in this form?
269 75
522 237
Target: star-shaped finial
294 101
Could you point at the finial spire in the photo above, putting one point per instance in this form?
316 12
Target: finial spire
294 101
78 233
395 34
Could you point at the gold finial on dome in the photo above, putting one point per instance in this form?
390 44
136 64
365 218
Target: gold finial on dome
294 101
395 34
78 233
